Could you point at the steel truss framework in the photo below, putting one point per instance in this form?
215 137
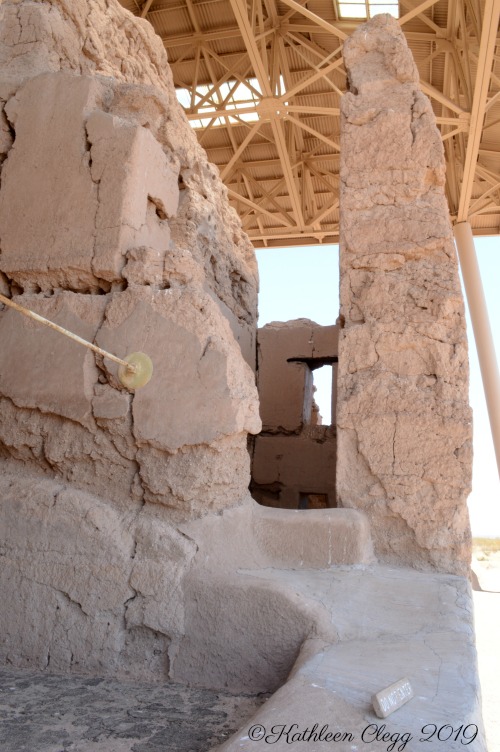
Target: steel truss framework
278 152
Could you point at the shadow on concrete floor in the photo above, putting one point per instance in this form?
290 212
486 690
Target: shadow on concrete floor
47 713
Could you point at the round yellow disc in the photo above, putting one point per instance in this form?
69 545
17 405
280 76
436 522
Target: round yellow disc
143 370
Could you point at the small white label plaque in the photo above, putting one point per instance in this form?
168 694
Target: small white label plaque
388 700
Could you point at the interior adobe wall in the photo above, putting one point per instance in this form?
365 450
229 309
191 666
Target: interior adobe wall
294 458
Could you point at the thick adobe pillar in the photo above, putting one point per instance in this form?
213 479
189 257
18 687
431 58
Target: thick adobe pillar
404 423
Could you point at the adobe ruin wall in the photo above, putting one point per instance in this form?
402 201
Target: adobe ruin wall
403 423
113 225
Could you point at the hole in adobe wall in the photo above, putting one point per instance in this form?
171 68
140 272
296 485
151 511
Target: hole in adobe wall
159 207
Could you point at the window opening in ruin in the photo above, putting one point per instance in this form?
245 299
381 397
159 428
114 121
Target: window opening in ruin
322 380
322 374
367 8
230 95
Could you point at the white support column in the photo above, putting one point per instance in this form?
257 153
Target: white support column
481 326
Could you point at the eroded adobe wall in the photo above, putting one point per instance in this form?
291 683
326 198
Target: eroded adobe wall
404 423
114 225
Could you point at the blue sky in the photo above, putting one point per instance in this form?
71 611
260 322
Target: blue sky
303 282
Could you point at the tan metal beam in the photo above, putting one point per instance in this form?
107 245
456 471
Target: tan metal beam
416 11
342 31
290 125
298 136
240 13
437 29
324 212
314 132
273 192
232 32
145 8
350 26
260 70
449 134
241 148
486 174
434 93
248 187
475 206
281 145
301 41
183 40
331 232
269 197
257 207
320 73
317 19
323 178
489 31
312 110
232 69
274 162
493 100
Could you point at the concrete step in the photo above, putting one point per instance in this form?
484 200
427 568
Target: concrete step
390 624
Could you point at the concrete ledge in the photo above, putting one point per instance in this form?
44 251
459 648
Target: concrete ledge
245 620
341 633
315 538
251 536
402 623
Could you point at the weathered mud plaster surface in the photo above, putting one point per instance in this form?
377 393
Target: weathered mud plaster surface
122 591
113 225
403 423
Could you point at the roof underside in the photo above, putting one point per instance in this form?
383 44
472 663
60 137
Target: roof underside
279 155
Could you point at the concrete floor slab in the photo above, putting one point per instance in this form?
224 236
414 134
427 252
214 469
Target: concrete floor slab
40 712
389 624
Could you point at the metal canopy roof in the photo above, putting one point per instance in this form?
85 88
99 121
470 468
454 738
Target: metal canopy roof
270 74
